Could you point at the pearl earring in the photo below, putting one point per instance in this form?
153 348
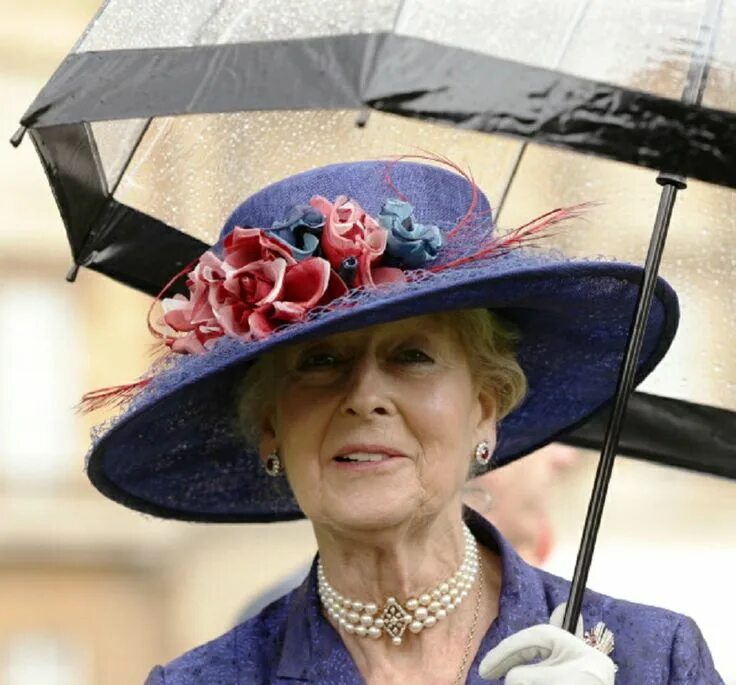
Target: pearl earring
483 453
273 465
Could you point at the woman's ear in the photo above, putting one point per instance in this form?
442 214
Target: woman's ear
488 410
268 441
487 419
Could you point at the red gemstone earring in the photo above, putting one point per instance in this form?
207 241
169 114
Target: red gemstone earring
483 453
273 465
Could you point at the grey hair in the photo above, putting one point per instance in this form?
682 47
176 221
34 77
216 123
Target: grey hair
488 341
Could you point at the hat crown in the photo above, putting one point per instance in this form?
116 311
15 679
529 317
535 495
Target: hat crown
438 196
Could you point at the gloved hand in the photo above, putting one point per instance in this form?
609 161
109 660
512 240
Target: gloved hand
566 659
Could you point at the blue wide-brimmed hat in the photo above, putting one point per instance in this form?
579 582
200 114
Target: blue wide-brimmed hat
176 450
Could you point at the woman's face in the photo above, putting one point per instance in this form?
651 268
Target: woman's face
377 427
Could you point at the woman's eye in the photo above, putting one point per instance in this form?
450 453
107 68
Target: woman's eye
414 356
318 361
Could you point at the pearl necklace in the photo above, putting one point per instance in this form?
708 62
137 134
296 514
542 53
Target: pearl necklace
416 613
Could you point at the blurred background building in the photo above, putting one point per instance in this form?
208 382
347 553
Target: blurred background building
93 594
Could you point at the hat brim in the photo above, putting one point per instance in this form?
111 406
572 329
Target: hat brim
176 452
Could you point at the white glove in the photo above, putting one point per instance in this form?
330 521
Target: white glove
566 660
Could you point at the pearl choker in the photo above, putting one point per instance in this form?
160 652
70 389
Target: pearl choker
363 618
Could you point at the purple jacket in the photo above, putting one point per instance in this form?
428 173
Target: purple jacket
290 642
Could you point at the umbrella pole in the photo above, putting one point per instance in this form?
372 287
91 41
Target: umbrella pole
692 94
625 385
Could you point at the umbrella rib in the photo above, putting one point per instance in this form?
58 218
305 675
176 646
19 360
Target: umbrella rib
697 73
143 132
129 159
574 25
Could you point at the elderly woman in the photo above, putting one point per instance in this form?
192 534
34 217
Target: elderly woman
358 344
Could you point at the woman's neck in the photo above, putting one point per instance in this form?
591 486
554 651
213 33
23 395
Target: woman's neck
402 562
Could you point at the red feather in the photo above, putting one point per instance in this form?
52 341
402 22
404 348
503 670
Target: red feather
117 395
427 156
522 236
113 396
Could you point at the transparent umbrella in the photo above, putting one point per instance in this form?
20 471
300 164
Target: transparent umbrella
166 114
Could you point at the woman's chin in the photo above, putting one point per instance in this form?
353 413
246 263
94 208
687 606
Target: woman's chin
366 513
369 500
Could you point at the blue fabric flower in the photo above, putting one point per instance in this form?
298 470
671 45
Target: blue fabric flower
301 231
410 245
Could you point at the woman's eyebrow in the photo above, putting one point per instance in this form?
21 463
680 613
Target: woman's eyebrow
416 338
435 343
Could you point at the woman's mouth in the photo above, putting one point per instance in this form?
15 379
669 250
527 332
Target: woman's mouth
365 456
362 457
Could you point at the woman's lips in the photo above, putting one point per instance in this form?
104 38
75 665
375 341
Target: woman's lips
384 463
365 456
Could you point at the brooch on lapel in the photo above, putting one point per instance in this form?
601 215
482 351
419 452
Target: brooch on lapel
600 638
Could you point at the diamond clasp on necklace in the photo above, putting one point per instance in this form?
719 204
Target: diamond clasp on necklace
395 619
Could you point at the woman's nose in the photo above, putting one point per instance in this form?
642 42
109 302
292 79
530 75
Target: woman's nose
367 391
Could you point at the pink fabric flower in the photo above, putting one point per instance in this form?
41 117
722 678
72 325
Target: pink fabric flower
244 291
225 294
194 314
349 232
223 301
307 285
247 299
372 276
246 245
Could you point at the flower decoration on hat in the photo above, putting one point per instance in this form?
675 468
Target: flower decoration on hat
267 278
270 277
